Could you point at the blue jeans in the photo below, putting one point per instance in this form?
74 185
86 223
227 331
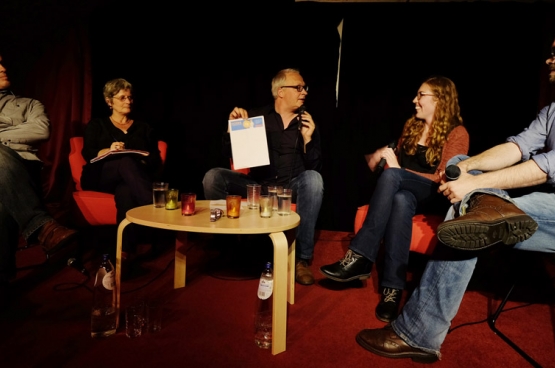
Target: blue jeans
394 202
426 318
21 207
308 190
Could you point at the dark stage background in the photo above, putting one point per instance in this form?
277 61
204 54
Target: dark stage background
191 64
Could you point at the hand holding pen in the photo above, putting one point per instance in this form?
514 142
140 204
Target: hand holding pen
117 146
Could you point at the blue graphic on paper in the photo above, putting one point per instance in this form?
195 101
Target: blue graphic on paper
240 124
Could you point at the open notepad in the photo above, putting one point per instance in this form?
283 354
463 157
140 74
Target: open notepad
120 152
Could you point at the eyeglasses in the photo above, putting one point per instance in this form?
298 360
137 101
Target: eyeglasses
123 98
299 88
419 95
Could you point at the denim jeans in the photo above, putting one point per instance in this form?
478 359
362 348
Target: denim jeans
21 195
393 204
426 318
21 207
308 190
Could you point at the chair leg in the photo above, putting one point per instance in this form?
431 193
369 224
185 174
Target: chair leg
491 322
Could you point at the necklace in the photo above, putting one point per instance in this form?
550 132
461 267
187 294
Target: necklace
118 123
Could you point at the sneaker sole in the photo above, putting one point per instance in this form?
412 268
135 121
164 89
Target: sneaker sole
480 235
423 357
358 277
383 319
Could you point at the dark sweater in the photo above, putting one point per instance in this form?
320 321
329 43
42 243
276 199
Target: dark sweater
100 133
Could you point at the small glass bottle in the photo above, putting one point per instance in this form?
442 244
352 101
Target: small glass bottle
263 318
103 311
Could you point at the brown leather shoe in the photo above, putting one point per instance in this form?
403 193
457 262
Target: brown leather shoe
488 220
303 275
53 236
385 342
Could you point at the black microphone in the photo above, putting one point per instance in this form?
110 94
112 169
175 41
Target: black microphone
75 263
382 162
452 172
300 112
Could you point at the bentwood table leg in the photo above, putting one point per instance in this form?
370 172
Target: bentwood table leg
279 311
180 266
121 226
291 235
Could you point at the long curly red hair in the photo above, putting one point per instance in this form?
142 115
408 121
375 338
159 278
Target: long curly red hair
447 116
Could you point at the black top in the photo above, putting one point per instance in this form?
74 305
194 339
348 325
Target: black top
417 162
285 147
100 133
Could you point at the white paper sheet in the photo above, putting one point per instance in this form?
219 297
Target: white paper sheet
249 146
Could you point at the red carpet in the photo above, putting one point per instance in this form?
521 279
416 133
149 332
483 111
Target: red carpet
209 323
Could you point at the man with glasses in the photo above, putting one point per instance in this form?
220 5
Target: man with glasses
295 162
479 219
23 125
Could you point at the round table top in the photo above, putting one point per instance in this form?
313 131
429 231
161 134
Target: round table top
249 221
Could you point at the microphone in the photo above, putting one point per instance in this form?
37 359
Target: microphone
382 162
73 262
300 112
452 172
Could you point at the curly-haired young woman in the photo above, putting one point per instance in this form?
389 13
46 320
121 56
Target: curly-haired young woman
413 171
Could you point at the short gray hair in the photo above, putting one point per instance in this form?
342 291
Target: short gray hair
279 80
111 88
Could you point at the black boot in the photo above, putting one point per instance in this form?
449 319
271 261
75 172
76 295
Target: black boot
388 307
353 266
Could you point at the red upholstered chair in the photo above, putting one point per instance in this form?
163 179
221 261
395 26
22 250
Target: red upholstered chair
97 208
424 228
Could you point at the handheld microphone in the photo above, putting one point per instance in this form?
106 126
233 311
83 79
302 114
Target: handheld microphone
452 172
382 162
300 112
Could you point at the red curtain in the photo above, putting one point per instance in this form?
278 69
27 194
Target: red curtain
61 80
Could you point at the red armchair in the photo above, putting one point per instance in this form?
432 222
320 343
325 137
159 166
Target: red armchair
97 208
424 228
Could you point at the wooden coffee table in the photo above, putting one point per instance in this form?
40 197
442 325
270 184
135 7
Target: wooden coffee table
281 230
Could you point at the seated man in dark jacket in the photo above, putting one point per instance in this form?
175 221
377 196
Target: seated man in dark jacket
295 162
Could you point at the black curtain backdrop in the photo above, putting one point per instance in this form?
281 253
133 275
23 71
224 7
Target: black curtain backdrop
494 52
189 72
191 64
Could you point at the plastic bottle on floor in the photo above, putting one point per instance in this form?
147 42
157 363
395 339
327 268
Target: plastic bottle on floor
263 318
103 312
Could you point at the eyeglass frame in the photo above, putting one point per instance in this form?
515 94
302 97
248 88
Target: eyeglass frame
420 94
299 88
123 98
